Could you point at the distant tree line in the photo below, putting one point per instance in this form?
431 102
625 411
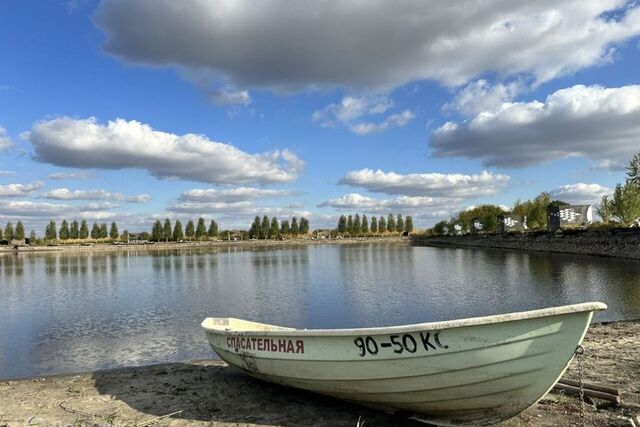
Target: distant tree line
620 209
623 207
355 226
266 228
9 233
165 232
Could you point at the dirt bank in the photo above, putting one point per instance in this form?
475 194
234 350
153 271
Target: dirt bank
160 246
623 243
210 393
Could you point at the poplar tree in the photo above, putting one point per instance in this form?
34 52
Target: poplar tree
274 230
64 230
382 225
350 225
190 231
265 228
255 230
1 233
8 231
51 231
95 231
213 229
167 230
201 229
408 224
285 228
103 231
74 232
365 225
400 224
113 232
19 231
374 225
304 226
32 237
178 234
295 228
84 230
156 231
342 224
391 223
633 170
356 225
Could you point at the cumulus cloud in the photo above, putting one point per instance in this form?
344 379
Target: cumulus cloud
66 194
238 210
351 112
130 144
6 173
5 140
226 96
402 204
19 190
13 208
482 96
82 176
231 195
580 193
427 184
590 121
293 45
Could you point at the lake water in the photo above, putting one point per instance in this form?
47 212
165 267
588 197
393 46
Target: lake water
76 312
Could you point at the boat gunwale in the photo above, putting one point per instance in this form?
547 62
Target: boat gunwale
209 325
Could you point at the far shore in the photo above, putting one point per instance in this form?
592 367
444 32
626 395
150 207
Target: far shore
163 246
210 393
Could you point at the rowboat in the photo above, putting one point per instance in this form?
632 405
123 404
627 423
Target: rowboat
478 371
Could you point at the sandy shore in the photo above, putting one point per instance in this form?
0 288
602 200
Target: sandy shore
161 246
210 393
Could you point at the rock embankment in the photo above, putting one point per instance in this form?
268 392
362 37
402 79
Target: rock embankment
622 243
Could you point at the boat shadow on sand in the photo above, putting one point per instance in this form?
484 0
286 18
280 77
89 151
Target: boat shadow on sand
211 391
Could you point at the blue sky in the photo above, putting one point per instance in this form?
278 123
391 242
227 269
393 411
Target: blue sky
128 111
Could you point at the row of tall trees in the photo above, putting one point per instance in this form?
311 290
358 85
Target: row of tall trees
357 226
623 206
9 233
74 230
272 229
166 232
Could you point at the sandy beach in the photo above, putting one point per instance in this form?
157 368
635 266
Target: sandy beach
210 393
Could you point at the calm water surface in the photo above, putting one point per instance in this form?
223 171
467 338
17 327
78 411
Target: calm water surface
77 312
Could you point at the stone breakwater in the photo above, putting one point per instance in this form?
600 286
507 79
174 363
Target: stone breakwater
622 243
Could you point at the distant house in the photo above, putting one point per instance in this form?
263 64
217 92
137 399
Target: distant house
476 225
458 229
508 222
569 216
324 233
136 239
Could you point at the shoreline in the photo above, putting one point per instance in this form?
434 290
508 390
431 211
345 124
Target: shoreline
210 393
621 243
164 246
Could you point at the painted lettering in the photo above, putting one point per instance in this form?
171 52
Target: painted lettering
299 346
425 341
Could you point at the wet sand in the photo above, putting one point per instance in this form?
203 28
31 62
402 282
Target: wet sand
210 393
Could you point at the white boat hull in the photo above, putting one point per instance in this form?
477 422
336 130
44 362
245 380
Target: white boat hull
471 371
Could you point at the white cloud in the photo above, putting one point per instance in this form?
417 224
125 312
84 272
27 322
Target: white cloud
392 121
378 44
427 184
66 194
402 204
82 176
352 111
482 96
5 140
226 96
580 193
590 121
28 208
6 173
130 144
231 195
19 190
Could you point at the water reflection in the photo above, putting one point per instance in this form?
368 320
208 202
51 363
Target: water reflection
62 312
